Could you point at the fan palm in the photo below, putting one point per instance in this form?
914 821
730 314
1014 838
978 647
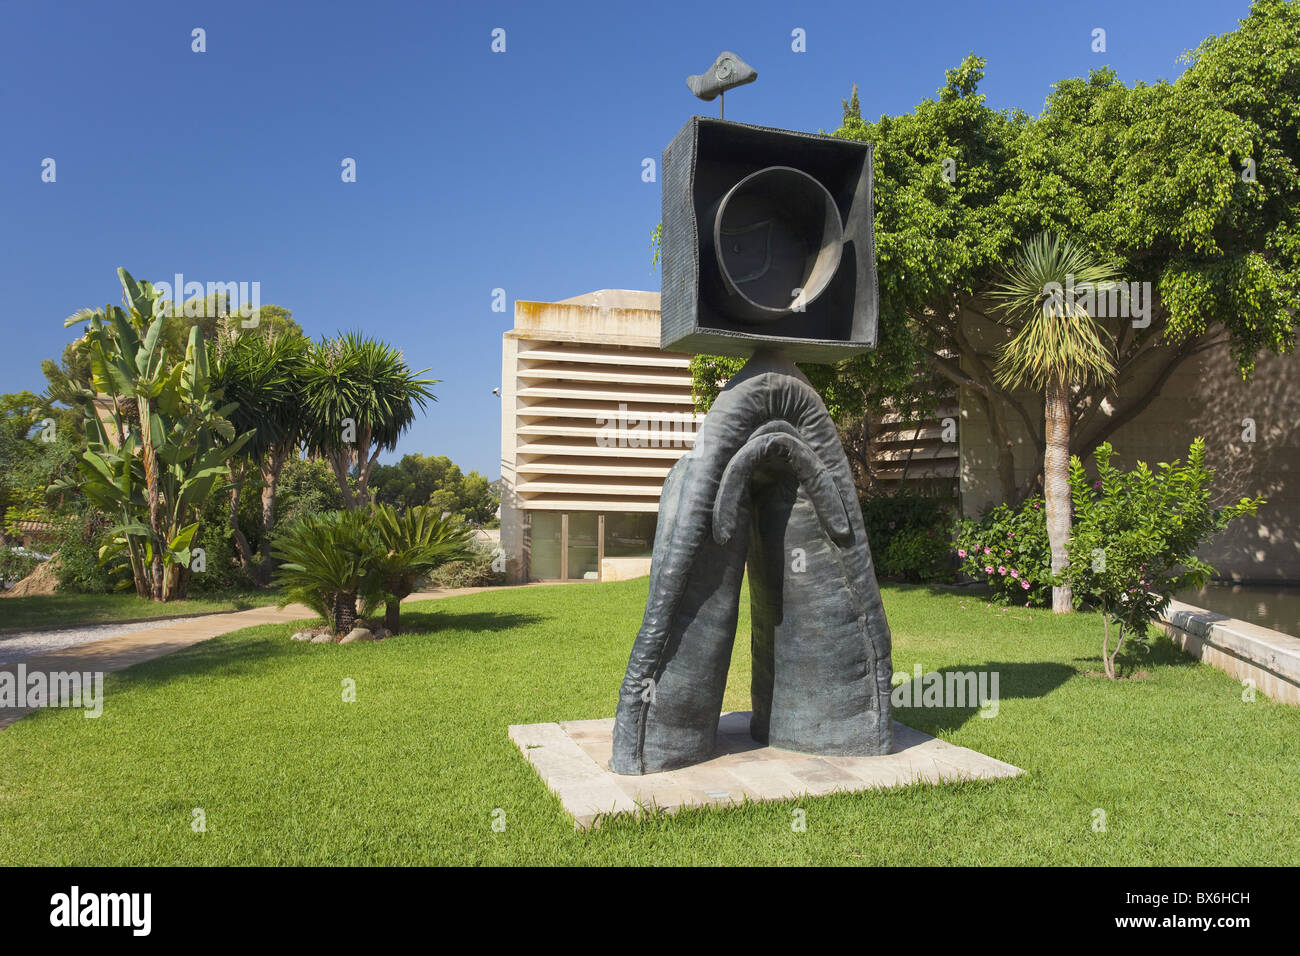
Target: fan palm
1059 344
411 545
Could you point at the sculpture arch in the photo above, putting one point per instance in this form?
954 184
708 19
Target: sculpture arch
766 486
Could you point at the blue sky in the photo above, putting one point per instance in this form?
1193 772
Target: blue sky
475 170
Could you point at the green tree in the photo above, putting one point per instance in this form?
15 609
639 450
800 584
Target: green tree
328 561
261 374
1192 185
1059 346
152 476
436 481
359 395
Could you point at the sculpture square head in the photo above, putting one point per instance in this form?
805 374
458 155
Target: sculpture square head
767 243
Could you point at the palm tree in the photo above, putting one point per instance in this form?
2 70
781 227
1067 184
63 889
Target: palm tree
329 561
359 395
411 545
264 375
1059 345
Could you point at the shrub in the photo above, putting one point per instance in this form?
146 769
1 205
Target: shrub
476 571
16 564
411 545
1008 549
918 555
221 572
78 536
373 556
909 535
1135 539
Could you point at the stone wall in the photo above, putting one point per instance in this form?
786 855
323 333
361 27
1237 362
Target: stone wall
1204 397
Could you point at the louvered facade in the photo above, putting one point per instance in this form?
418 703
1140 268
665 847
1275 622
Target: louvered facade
593 417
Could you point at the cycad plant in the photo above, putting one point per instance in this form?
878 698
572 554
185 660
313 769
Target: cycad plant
328 562
1059 344
411 545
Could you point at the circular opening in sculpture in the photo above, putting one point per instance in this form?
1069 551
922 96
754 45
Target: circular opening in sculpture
777 236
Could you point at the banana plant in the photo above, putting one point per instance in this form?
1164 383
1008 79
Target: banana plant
157 442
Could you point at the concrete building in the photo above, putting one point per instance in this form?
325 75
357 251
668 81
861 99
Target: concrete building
593 415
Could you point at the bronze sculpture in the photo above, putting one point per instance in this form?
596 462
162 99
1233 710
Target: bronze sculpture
767 251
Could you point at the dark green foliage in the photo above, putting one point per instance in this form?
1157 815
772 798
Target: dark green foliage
436 481
1007 549
333 561
78 536
909 535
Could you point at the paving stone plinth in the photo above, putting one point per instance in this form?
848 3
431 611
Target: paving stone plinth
572 758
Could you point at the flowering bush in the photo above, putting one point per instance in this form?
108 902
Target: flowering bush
909 535
1007 548
1135 539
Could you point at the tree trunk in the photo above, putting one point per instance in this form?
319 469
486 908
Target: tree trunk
345 612
1056 487
270 482
393 616
246 557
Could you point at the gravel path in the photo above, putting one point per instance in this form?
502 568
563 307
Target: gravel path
15 647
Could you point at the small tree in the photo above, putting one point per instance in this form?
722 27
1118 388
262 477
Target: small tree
1059 345
262 375
359 395
1135 539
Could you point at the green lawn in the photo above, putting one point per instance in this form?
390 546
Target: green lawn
252 728
57 610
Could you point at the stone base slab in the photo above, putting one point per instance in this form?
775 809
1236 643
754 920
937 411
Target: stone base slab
572 759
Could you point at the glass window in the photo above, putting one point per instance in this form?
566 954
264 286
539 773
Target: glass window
544 545
629 535
584 546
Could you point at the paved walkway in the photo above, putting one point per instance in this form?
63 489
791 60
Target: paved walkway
126 650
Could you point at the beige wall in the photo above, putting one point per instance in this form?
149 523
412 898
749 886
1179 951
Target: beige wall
1204 397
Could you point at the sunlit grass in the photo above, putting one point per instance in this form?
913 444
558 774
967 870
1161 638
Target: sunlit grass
253 730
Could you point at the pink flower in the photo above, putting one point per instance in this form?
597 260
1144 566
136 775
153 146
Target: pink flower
1006 554
1036 505
1015 573
1024 586
1027 605
1011 534
891 524
1002 569
988 550
988 569
961 552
